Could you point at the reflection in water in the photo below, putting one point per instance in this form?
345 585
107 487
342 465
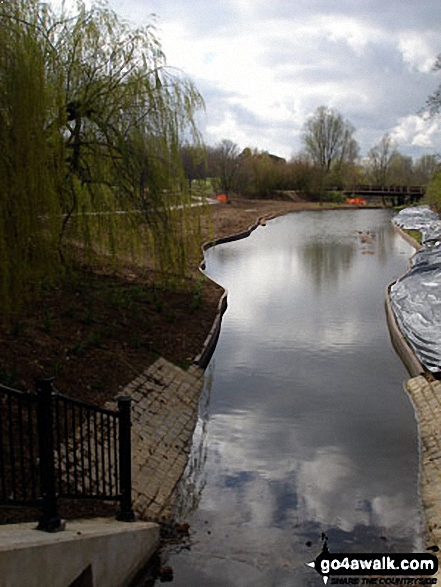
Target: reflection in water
189 490
309 430
327 263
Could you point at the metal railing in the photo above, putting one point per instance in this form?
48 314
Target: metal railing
371 189
55 447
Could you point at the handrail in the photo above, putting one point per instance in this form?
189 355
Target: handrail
53 446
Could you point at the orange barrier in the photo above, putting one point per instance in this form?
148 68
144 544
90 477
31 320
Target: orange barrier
356 201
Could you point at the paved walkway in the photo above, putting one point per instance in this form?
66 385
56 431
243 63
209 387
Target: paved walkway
164 415
426 398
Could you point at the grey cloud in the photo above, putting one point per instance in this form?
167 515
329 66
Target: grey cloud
200 16
379 73
392 15
375 86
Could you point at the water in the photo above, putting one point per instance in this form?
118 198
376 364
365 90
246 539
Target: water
305 427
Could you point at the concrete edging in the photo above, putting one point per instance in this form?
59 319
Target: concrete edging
400 344
89 552
412 242
209 345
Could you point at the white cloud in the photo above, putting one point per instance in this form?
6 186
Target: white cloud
263 67
417 51
418 131
325 480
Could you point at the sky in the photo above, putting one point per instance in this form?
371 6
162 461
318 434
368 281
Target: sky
264 66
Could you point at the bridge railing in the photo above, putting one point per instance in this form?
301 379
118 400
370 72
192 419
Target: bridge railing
390 189
55 447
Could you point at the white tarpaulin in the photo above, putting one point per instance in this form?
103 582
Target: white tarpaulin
420 218
416 296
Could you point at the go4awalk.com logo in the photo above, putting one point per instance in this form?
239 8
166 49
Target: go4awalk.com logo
376 569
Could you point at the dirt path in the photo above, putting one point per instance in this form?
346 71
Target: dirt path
237 216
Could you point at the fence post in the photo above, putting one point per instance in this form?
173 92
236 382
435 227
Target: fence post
50 520
125 513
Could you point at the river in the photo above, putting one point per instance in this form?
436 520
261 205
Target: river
305 430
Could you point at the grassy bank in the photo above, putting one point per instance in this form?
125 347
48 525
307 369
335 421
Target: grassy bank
416 235
99 331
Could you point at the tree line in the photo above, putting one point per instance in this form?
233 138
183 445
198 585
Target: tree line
330 158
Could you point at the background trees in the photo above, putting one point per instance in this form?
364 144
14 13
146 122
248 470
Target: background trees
425 168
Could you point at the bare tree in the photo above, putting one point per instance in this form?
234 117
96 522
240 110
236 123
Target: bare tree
433 102
328 139
224 162
379 159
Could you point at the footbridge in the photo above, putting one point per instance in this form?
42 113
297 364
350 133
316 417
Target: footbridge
392 195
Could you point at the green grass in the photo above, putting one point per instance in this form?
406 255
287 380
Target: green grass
415 234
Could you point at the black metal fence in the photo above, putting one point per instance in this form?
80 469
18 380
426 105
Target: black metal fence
55 447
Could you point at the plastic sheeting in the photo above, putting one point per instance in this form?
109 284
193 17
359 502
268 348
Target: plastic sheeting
416 296
420 218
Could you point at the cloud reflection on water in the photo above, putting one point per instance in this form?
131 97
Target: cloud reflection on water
309 430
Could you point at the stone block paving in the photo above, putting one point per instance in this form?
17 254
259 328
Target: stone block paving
426 398
164 416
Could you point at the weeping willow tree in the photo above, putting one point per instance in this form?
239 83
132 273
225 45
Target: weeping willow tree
91 119
31 159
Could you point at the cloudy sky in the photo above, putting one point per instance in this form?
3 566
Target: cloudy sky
264 66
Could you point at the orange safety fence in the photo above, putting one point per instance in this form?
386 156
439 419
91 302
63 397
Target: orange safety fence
356 201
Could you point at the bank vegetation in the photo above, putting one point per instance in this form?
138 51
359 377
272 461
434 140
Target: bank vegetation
103 180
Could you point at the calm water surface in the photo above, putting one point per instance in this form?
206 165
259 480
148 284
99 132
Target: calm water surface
304 426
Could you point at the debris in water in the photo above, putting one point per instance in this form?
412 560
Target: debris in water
165 574
182 528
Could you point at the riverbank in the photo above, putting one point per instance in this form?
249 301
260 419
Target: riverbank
125 320
229 219
102 331
425 394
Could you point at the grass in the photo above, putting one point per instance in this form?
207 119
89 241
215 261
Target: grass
415 234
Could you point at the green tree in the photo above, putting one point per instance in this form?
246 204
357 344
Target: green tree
433 192
126 112
194 162
31 155
424 169
91 119
400 170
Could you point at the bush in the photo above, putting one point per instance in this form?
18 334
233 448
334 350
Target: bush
334 196
433 192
